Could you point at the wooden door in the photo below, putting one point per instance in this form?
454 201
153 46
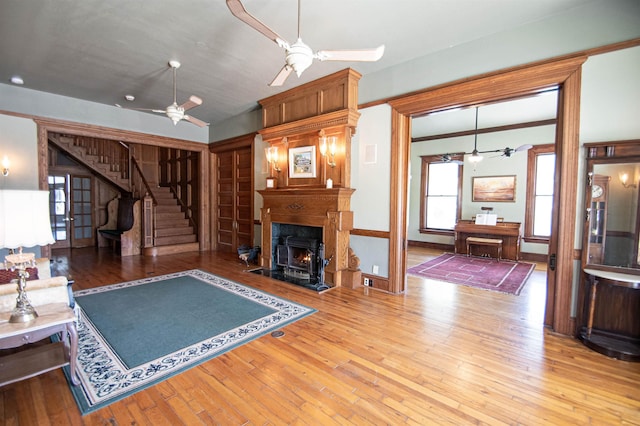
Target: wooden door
71 210
234 199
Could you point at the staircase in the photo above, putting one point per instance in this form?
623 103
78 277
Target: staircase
110 160
173 233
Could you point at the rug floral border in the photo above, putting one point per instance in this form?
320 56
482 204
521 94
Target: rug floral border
105 379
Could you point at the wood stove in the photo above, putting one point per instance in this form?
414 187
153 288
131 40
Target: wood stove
298 257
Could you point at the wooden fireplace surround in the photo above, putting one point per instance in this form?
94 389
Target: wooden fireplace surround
298 118
324 208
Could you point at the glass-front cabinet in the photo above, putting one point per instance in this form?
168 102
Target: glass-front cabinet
609 311
597 217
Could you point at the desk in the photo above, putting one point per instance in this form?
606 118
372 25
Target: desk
618 342
509 232
52 319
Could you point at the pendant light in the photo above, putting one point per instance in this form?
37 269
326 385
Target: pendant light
475 155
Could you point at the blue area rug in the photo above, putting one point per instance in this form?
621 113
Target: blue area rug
135 334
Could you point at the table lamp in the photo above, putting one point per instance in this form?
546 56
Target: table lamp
24 222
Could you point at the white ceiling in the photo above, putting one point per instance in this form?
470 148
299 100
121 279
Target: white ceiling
543 106
100 50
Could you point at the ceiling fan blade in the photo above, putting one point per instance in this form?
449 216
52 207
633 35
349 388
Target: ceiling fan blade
193 101
365 55
452 158
195 121
523 147
237 9
282 76
160 111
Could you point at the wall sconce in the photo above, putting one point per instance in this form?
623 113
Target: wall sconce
272 157
624 180
328 149
5 166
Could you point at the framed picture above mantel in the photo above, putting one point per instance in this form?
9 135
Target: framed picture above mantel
302 162
494 188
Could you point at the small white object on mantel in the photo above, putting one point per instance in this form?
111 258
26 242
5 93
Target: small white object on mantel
329 183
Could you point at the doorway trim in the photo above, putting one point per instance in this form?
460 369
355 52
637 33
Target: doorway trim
507 84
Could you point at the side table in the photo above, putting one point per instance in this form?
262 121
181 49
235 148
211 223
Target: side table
621 343
52 318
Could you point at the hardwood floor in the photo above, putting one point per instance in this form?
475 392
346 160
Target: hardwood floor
438 354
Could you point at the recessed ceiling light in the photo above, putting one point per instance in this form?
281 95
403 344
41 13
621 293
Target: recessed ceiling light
129 97
16 79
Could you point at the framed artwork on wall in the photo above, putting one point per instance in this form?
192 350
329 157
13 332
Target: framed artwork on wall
302 162
494 188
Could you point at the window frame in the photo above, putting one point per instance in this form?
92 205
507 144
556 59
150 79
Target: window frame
426 160
532 162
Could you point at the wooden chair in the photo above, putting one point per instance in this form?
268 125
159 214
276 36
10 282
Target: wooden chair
122 229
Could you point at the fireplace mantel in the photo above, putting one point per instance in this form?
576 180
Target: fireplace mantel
320 207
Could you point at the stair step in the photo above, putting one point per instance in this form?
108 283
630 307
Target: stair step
166 208
171 223
165 197
169 216
163 191
172 249
174 239
180 230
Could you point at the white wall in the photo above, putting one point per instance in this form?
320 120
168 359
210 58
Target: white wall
610 98
18 137
16 142
370 175
32 102
595 24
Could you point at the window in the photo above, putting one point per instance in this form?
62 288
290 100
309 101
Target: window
441 194
540 185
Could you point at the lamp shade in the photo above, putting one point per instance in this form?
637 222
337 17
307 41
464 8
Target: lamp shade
24 219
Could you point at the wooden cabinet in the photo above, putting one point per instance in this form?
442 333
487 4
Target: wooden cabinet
610 320
233 207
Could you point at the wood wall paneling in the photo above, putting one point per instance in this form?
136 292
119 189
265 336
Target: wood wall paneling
233 188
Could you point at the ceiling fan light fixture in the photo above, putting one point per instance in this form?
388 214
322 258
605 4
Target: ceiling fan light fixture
475 157
299 57
174 113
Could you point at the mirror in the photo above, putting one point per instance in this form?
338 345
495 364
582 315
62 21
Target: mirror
612 228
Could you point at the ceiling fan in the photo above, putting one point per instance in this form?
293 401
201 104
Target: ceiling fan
507 152
475 154
174 111
299 56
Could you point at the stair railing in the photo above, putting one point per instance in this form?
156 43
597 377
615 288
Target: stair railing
149 202
143 179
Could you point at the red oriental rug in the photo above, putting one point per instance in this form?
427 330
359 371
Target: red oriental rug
505 276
